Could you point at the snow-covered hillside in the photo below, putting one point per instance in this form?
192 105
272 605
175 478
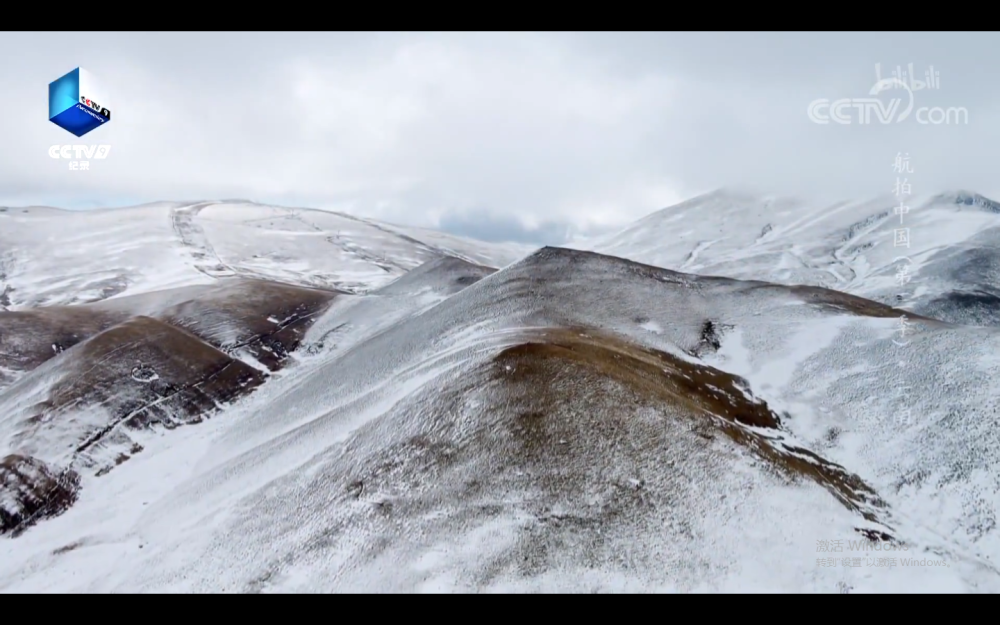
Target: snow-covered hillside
117 321
55 257
948 265
573 421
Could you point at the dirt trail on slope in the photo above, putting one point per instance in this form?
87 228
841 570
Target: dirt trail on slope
193 238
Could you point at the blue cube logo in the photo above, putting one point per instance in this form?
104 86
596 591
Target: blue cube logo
77 103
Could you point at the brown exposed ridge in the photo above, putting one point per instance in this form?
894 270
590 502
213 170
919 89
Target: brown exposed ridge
263 318
162 374
30 337
720 402
34 491
840 301
574 257
267 318
172 368
828 299
141 372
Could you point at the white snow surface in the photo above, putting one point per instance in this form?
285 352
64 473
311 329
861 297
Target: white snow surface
55 257
265 497
950 243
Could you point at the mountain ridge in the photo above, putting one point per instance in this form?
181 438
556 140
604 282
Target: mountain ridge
570 419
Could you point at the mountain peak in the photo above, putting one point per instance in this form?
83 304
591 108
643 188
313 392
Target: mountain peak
967 198
738 192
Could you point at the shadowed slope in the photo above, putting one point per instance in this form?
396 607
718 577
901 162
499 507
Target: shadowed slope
256 319
29 338
75 411
85 375
263 320
139 373
30 491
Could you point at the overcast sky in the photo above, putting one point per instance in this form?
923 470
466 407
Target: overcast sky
528 136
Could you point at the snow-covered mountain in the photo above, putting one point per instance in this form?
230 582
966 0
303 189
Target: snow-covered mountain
113 320
937 255
572 421
56 257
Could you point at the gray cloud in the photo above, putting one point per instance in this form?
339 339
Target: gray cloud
485 226
585 129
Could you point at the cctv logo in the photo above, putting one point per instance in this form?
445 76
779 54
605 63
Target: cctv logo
73 103
79 151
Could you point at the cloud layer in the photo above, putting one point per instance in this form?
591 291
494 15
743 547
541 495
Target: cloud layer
533 134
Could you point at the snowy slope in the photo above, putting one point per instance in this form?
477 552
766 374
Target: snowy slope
54 257
570 422
114 321
51 256
952 258
82 380
233 314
